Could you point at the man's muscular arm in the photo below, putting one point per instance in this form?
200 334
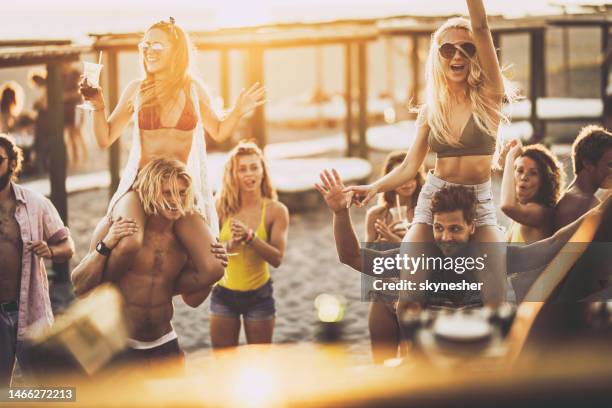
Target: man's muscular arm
89 273
193 287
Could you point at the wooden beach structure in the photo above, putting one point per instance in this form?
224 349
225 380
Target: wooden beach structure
537 109
354 36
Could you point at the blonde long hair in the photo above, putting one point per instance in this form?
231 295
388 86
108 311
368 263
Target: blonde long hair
179 76
487 115
228 202
150 182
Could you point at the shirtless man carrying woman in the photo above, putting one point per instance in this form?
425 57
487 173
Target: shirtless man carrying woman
160 269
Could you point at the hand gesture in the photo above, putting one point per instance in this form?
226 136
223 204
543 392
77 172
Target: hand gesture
514 151
89 92
361 195
249 100
119 229
218 250
332 190
505 150
239 230
386 232
40 248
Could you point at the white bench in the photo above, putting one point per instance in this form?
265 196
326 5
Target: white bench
306 148
557 109
300 112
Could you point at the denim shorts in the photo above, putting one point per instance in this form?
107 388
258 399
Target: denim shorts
255 304
485 210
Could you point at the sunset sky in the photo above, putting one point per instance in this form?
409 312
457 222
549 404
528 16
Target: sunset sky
75 18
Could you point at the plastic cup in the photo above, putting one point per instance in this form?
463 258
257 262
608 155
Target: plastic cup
91 71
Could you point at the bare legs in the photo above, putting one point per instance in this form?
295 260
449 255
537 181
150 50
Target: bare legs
384 331
419 234
122 257
493 276
224 331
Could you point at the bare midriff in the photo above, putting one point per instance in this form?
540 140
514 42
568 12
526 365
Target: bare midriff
169 143
464 169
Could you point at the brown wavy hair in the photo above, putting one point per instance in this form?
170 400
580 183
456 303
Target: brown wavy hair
229 200
179 76
395 159
452 198
590 145
13 152
551 175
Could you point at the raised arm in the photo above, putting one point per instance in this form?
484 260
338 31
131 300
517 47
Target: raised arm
108 130
273 251
485 47
401 174
530 214
347 244
221 129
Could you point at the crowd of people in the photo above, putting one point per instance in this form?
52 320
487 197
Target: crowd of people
158 238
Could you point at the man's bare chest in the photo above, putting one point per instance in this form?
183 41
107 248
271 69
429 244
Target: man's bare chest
10 233
160 256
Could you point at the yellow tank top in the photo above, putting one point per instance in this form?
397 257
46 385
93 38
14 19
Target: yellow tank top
514 234
246 270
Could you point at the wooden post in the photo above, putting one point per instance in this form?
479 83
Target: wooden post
225 93
348 97
414 64
57 171
255 66
605 69
363 97
537 80
114 157
224 77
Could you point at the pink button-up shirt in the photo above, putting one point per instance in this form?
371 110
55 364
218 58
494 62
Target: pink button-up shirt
38 220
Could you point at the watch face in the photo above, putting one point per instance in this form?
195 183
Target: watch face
103 249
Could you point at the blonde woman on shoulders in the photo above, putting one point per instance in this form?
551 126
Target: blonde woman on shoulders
459 122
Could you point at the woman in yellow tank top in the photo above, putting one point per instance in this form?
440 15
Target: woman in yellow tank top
254 228
530 190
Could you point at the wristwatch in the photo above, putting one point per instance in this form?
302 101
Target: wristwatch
102 248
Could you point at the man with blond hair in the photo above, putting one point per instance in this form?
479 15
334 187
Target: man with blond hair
161 268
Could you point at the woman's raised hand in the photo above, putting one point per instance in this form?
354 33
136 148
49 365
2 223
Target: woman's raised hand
504 152
249 99
361 195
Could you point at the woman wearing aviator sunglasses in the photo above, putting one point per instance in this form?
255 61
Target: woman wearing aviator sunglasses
459 121
171 111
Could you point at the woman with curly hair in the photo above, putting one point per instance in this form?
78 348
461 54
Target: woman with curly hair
531 187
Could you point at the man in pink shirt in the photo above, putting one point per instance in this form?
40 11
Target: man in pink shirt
31 230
